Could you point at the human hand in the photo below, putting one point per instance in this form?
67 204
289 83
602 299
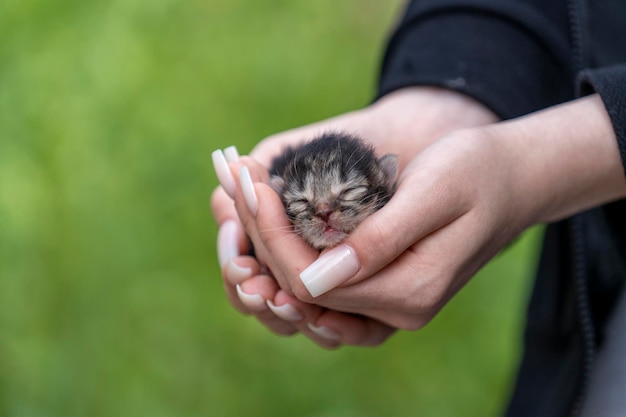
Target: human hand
457 204
403 123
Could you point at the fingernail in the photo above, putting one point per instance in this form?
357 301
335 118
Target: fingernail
324 332
247 187
223 173
227 247
330 270
252 301
286 311
231 154
235 273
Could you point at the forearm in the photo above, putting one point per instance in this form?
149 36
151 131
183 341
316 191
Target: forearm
566 159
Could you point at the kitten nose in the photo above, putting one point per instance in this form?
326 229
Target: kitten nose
323 211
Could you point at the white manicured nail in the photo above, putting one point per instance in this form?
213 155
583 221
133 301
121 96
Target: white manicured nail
324 332
286 311
227 247
253 301
247 187
330 270
231 154
235 273
223 173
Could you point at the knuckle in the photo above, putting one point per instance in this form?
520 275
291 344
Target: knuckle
412 322
375 241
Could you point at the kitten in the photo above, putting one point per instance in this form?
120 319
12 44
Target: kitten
330 184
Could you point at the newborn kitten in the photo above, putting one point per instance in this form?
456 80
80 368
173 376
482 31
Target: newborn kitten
331 184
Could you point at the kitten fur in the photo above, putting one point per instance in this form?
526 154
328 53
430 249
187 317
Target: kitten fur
331 184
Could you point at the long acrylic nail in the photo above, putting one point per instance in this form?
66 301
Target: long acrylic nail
235 273
324 332
253 301
247 187
330 270
223 173
286 311
227 247
231 154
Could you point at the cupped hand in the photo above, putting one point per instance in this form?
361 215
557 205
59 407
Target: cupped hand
454 208
403 123
457 204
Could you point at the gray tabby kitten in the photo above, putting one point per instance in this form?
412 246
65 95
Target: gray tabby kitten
331 184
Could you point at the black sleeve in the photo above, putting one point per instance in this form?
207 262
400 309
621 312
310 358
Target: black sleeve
610 84
513 55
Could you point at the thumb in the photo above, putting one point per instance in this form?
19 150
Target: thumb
411 214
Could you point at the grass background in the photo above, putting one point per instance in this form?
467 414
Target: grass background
111 302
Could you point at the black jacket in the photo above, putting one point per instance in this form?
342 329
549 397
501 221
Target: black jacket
516 57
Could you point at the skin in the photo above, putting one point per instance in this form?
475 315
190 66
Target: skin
476 178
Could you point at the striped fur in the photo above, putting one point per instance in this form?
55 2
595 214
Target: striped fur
331 184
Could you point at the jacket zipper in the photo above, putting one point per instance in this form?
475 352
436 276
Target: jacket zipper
577 17
584 315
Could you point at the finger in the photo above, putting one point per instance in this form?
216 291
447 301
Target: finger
222 206
245 172
252 295
224 176
232 238
231 153
282 314
303 316
231 241
327 328
263 216
351 329
239 269
235 272
290 254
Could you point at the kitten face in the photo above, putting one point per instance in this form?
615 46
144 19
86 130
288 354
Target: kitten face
332 184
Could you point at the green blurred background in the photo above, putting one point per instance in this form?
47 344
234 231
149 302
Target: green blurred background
111 302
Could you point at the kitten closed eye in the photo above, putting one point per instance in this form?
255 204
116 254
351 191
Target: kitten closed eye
353 193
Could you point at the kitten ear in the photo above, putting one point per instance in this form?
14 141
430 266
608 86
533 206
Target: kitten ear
389 165
277 183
